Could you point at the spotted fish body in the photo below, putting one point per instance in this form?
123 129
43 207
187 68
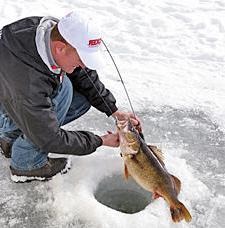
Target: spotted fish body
145 164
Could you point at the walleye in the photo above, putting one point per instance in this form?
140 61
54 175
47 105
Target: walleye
145 164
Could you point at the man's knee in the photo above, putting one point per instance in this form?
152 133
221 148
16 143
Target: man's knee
79 106
63 99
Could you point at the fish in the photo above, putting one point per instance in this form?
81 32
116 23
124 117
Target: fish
145 164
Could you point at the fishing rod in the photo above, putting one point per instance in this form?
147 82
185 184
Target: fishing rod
121 79
128 97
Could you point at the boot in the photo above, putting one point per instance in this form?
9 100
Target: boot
5 148
50 169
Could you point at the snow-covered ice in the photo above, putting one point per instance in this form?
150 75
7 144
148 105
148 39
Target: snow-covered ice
171 55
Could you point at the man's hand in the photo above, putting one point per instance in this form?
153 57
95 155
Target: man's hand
125 115
111 139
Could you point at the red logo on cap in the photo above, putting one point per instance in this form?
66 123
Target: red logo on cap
94 43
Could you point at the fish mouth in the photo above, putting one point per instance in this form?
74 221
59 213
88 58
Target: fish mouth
121 124
130 126
125 124
127 131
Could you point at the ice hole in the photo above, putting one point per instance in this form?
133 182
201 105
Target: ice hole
122 195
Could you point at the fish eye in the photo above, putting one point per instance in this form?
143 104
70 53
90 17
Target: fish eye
130 126
132 129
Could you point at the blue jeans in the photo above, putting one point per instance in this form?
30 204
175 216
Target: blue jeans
68 105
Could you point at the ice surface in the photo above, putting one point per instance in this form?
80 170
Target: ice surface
171 55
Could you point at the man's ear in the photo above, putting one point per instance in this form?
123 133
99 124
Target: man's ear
59 47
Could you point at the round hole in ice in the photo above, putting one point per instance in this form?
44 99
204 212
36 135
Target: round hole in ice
122 195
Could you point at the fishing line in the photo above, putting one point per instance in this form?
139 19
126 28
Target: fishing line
99 93
128 97
129 100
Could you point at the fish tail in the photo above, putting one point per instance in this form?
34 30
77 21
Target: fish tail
180 212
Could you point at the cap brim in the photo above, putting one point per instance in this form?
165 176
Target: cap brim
92 60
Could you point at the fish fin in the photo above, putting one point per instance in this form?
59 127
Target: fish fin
177 183
126 173
158 153
180 212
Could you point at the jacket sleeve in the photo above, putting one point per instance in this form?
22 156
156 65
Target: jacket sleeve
94 90
39 123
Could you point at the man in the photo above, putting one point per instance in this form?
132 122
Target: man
48 79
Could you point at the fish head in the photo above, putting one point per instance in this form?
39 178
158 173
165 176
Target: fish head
129 138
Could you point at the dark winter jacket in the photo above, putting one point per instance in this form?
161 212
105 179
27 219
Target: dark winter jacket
27 87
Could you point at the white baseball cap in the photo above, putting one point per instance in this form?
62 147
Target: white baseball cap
84 35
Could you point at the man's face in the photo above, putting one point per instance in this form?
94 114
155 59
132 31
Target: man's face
67 58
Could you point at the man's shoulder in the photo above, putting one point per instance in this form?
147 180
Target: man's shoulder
24 23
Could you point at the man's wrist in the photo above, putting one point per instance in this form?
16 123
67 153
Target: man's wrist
100 140
116 113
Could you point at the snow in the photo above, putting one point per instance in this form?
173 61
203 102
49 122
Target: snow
171 55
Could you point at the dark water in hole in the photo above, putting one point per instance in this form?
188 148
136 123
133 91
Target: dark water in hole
125 196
